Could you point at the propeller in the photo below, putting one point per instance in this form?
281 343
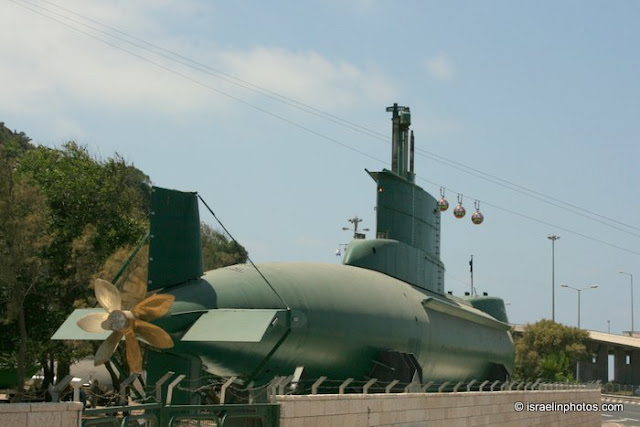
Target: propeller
127 323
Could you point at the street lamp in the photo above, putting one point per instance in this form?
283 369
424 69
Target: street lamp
553 239
579 290
630 275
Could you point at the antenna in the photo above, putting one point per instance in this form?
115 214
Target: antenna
355 221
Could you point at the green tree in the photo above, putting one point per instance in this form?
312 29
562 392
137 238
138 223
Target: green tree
23 236
219 251
549 350
65 219
95 207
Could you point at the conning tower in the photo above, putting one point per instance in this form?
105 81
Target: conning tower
407 243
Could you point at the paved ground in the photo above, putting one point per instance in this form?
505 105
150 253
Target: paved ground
84 369
628 417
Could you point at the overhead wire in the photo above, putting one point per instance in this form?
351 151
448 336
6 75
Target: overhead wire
207 86
222 75
183 60
171 55
538 220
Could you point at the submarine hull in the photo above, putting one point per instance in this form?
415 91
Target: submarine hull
337 321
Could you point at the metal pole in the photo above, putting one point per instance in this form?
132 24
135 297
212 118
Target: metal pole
471 271
579 292
553 239
631 276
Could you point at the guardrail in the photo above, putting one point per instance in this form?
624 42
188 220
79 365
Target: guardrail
158 409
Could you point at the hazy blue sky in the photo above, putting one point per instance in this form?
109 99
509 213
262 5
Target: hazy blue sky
542 94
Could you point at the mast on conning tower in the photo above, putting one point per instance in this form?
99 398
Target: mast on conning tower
402 146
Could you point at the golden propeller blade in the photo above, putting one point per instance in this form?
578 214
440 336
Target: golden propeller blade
91 322
107 348
152 334
153 307
134 289
108 296
134 355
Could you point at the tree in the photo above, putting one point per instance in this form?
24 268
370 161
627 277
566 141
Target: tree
95 208
65 219
548 350
23 236
219 251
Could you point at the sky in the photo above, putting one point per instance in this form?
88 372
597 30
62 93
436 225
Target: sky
271 111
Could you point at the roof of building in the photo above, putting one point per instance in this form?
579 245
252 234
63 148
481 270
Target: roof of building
603 337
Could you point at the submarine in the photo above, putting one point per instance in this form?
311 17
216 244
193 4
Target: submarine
383 313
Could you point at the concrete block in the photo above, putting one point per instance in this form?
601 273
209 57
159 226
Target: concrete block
338 407
458 412
316 408
310 422
70 419
44 419
16 419
388 405
459 422
415 415
374 405
392 417
358 406
361 420
350 419
286 409
15 408
335 421
50 407
374 419
301 408
435 413
439 401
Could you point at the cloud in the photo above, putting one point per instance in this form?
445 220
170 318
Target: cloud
46 66
440 67
308 76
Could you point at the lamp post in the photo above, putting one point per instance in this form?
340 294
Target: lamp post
579 290
631 276
553 239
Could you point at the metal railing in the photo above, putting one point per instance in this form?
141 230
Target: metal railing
323 385
157 407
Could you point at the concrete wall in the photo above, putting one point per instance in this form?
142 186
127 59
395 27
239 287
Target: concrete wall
435 409
66 414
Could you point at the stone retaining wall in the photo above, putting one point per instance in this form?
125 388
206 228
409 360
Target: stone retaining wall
436 409
66 414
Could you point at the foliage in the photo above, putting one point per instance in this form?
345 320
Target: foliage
219 251
555 367
67 217
90 209
23 236
549 350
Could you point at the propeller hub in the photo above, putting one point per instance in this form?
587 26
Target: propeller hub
118 320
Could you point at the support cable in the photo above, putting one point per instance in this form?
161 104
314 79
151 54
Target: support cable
248 257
